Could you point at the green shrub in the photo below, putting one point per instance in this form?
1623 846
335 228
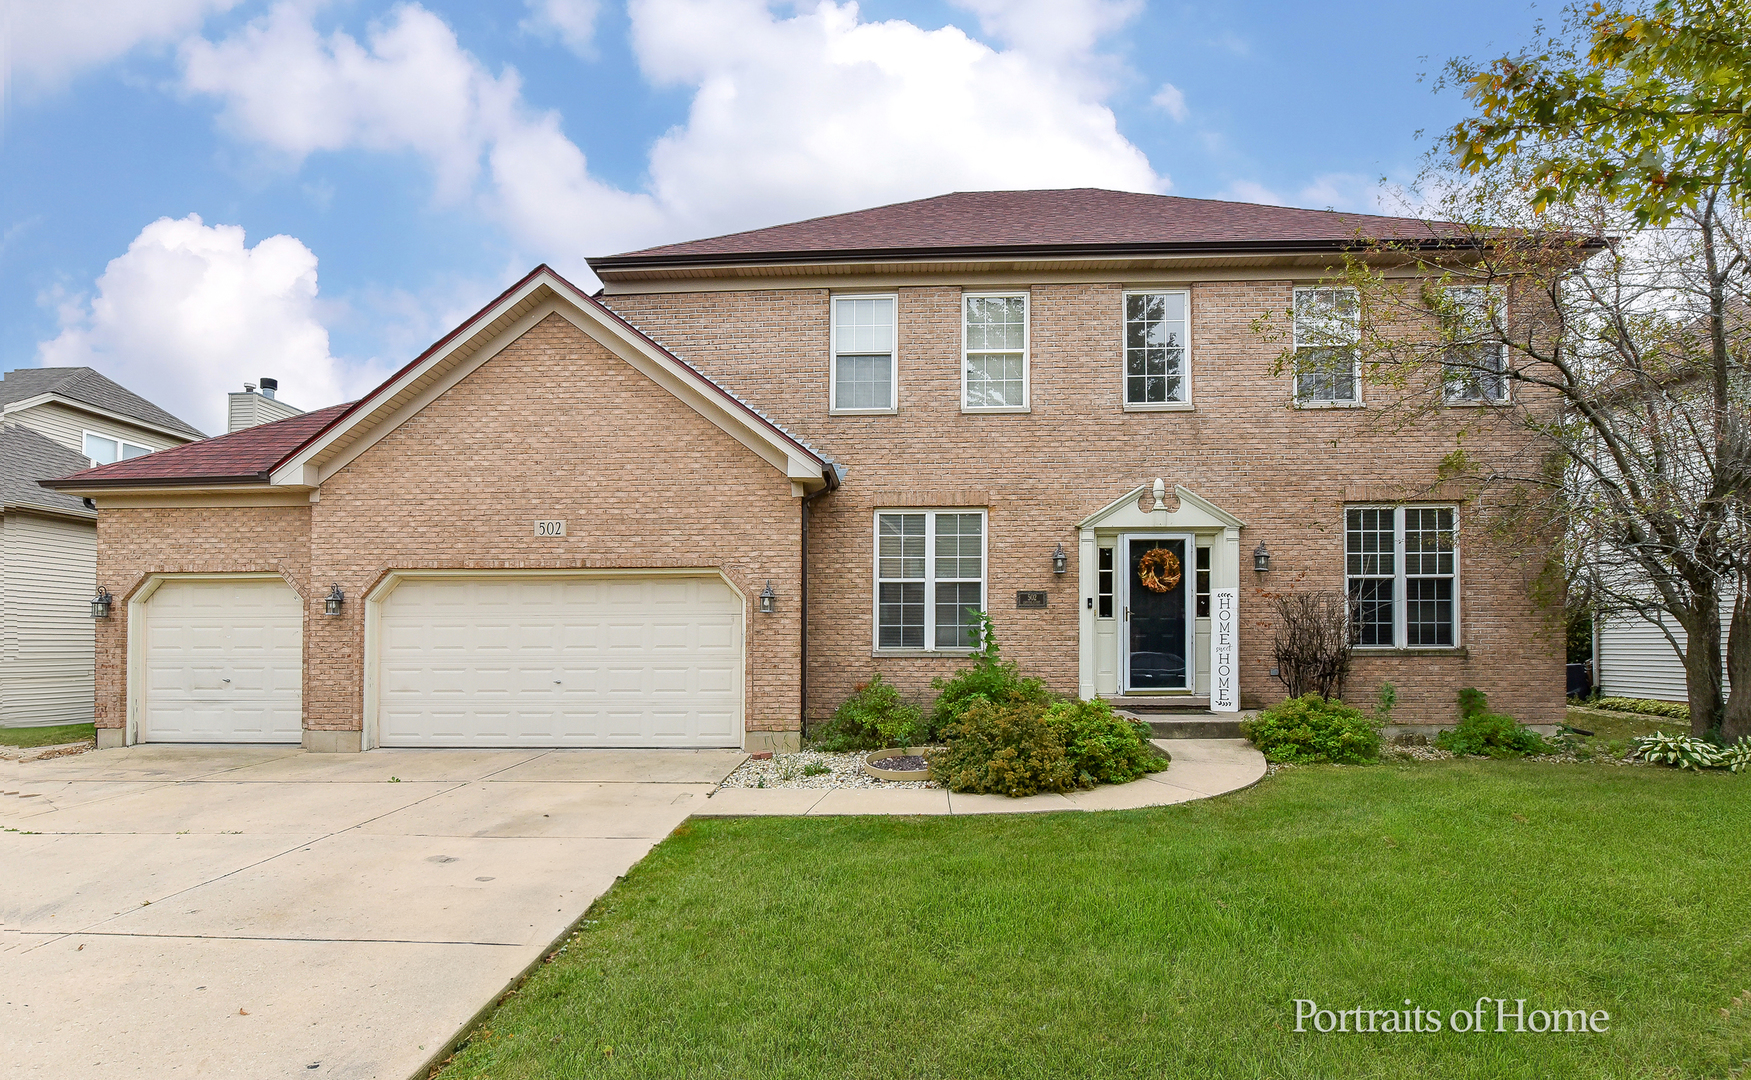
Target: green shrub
990 678
1309 729
1003 749
873 718
1675 710
1103 747
1482 733
1688 753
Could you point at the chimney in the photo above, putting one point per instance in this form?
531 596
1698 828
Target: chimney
249 408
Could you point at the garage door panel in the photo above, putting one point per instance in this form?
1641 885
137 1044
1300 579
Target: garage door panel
560 662
223 662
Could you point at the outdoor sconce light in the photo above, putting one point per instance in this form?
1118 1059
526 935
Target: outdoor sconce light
332 602
1261 559
767 598
100 603
1060 561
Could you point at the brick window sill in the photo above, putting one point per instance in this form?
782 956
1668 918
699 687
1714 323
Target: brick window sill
1459 652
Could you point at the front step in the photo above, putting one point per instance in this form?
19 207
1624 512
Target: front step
1152 705
1188 725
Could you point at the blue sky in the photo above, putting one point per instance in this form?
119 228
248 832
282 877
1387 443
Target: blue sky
362 174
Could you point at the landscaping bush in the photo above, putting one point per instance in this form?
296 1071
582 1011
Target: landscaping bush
1482 733
1676 710
1689 753
1003 749
1310 729
873 718
990 678
1103 747
1023 747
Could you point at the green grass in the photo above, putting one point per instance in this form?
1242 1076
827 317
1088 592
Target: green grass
46 736
1612 731
1171 942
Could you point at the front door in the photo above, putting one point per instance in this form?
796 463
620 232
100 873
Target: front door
1157 616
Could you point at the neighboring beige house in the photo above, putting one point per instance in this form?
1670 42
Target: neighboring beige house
753 471
54 421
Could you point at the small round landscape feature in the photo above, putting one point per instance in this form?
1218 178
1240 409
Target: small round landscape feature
906 763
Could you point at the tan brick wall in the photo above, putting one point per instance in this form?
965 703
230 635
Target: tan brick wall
1286 473
134 544
552 427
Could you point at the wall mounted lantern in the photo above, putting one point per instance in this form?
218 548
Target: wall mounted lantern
100 603
1060 561
332 602
1261 559
767 599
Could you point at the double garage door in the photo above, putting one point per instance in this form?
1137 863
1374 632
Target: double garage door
488 660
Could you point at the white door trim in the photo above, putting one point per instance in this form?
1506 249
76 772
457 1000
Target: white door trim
1122 579
135 698
379 593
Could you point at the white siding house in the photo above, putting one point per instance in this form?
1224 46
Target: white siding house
1635 659
54 421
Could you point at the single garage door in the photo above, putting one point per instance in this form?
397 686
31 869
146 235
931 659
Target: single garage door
224 662
521 661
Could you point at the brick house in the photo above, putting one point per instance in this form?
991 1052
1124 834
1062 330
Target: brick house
755 470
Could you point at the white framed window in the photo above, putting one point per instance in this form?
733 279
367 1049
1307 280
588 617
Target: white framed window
1327 361
930 579
1401 573
1475 369
1157 357
865 375
103 450
994 352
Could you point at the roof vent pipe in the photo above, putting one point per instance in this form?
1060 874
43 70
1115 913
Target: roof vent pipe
269 387
249 388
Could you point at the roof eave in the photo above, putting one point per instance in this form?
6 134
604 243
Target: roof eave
608 264
72 483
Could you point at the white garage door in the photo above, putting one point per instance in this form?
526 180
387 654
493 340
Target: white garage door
515 661
224 662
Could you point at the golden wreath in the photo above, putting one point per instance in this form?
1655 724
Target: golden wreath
1159 570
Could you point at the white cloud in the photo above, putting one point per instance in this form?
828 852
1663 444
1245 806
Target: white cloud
573 22
1053 30
1171 100
1353 192
45 42
792 116
190 312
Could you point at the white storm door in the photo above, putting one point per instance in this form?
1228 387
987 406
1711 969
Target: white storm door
509 660
224 662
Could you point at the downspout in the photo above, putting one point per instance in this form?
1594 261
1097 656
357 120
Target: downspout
831 475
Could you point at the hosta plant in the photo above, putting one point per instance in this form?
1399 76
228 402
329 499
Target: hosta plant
1680 750
1737 756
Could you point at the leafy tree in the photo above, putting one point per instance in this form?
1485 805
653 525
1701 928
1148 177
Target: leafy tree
1643 105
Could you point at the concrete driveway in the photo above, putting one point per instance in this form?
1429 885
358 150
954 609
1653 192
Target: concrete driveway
236 912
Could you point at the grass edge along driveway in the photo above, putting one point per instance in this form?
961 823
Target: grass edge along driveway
1172 942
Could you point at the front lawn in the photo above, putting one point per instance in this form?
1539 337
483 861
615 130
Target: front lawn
1172 942
46 736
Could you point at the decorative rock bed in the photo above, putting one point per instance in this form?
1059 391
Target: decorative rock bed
830 771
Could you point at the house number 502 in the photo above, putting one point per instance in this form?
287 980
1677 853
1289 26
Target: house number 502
550 528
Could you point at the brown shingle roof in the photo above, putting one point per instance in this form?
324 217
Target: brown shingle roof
1067 220
245 456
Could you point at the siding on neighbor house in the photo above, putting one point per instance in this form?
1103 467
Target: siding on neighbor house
1286 473
1636 659
47 575
68 427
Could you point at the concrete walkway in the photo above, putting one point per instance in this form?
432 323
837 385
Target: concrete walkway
262 912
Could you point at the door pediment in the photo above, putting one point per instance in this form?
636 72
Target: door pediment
1194 512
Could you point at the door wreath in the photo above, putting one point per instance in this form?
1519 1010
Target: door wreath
1159 570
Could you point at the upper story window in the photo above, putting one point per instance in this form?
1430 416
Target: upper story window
994 345
103 451
1327 330
1401 568
1475 370
930 579
1155 349
865 376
